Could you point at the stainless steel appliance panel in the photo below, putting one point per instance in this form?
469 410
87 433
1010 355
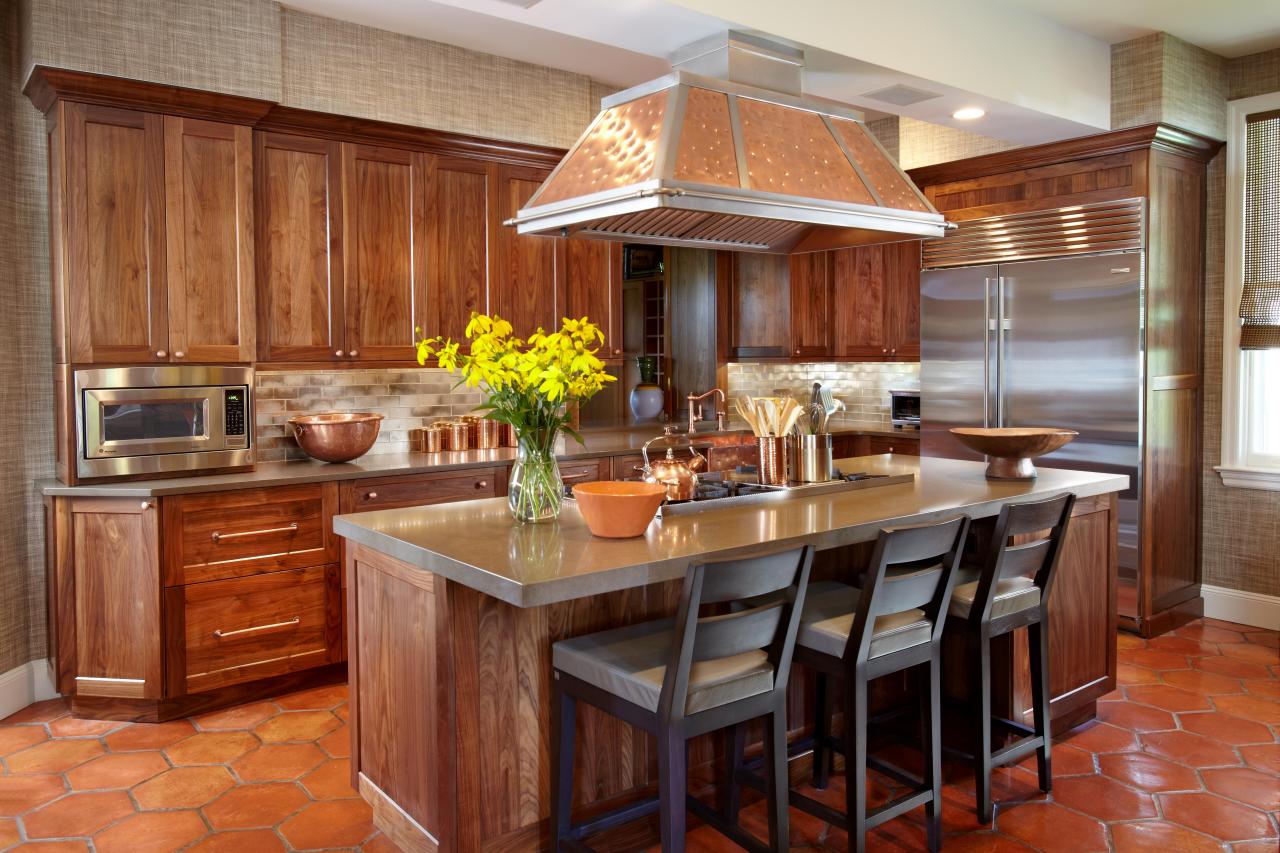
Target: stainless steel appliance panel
957 355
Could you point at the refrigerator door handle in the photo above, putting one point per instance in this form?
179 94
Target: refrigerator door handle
1001 326
986 353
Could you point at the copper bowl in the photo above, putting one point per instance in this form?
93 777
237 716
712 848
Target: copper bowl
617 509
336 436
1009 450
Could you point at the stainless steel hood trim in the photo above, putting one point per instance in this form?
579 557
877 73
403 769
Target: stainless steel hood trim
739 144
741 90
664 162
853 161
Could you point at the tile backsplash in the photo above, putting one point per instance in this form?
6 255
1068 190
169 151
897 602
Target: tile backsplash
863 386
408 398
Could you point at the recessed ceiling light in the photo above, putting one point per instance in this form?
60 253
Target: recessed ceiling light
968 113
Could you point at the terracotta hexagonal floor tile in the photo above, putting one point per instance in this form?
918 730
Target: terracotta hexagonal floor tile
16 738
805 829
255 806
1051 828
1148 835
1232 667
1127 674
1199 681
1182 645
239 717
316 699
1103 797
1216 816
1100 737
1125 640
19 794
75 727
1251 652
149 735
117 771
182 788
1149 772
1258 789
1264 846
212 748
1067 761
9 832
1131 715
278 762
333 823
341 712
1153 659
1270 639
39 712
154 832
1250 707
337 743
244 841
1190 749
78 814
52 847
1262 756
297 726
1263 688
1223 727
330 781
381 844
53 756
1167 698
1209 633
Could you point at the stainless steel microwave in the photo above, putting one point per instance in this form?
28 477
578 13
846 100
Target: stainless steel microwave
165 419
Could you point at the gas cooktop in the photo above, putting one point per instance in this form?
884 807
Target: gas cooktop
734 489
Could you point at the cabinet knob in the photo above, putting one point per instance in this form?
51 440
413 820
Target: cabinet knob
482 484
147 505
886 349
179 354
339 353
617 352
797 352
893 351
161 353
354 353
370 496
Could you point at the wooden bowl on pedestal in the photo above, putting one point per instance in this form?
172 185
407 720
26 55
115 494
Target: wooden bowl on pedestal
1009 450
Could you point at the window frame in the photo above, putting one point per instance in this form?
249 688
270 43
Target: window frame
1237 469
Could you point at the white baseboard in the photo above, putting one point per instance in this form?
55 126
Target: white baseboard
22 685
1245 608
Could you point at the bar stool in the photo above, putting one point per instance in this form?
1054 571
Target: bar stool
681 678
892 624
1010 590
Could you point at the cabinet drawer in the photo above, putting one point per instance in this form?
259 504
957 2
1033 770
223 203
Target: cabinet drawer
627 467
589 471
249 628
233 534
884 444
421 489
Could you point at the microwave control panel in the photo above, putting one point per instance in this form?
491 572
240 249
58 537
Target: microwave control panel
235 407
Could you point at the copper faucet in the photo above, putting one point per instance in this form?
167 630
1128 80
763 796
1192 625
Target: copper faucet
695 411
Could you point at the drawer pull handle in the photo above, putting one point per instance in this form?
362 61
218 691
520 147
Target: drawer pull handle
581 475
222 635
218 537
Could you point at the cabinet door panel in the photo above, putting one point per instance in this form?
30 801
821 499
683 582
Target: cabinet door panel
114 166
385 293
859 297
299 248
459 244
902 299
525 277
209 207
810 287
117 593
762 306
593 288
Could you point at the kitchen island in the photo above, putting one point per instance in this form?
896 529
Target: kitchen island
452 611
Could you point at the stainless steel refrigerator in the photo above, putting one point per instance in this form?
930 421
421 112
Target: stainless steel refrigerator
1054 342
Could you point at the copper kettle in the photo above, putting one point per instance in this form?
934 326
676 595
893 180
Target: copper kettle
679 477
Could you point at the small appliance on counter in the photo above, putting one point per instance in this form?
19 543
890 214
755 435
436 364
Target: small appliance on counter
167 419
904 408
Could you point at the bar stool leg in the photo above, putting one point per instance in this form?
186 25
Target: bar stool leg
735 737
673 786
930 687
821 731
564 711
777 785
855 761
982 729
1038 645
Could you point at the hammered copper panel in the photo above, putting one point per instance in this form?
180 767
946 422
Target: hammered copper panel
706 154
791 151
618 152
889 183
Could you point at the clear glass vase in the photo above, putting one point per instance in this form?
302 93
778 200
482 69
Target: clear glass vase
535 489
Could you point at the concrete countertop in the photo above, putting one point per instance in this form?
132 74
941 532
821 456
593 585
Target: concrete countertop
477 543
598 441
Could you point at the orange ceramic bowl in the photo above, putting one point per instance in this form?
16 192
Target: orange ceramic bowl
617 509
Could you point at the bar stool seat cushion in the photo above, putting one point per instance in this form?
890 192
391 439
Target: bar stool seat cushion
828 619
630 663
1013 595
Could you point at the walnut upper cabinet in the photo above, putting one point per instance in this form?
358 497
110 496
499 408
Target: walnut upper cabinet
527 279
760 307
593 289
153 237
876 295
810 309
461 193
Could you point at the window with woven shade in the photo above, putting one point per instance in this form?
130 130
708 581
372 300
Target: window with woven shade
1260 293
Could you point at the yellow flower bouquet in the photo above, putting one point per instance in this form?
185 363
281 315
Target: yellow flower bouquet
530 384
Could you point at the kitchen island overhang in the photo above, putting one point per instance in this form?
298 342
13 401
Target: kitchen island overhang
452 611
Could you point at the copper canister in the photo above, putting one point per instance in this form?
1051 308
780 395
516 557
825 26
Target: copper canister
473 430
418 440
490 434
435 437
509 436
772 464
459 435
443 427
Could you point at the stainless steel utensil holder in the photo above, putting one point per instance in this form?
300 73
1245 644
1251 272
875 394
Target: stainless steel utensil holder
811 458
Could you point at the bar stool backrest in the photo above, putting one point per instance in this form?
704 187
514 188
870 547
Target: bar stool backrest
1036 559
762 596
912 567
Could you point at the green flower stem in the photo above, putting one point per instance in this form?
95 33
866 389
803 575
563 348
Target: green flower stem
535 490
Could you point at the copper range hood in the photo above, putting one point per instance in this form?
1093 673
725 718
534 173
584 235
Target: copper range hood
725 153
